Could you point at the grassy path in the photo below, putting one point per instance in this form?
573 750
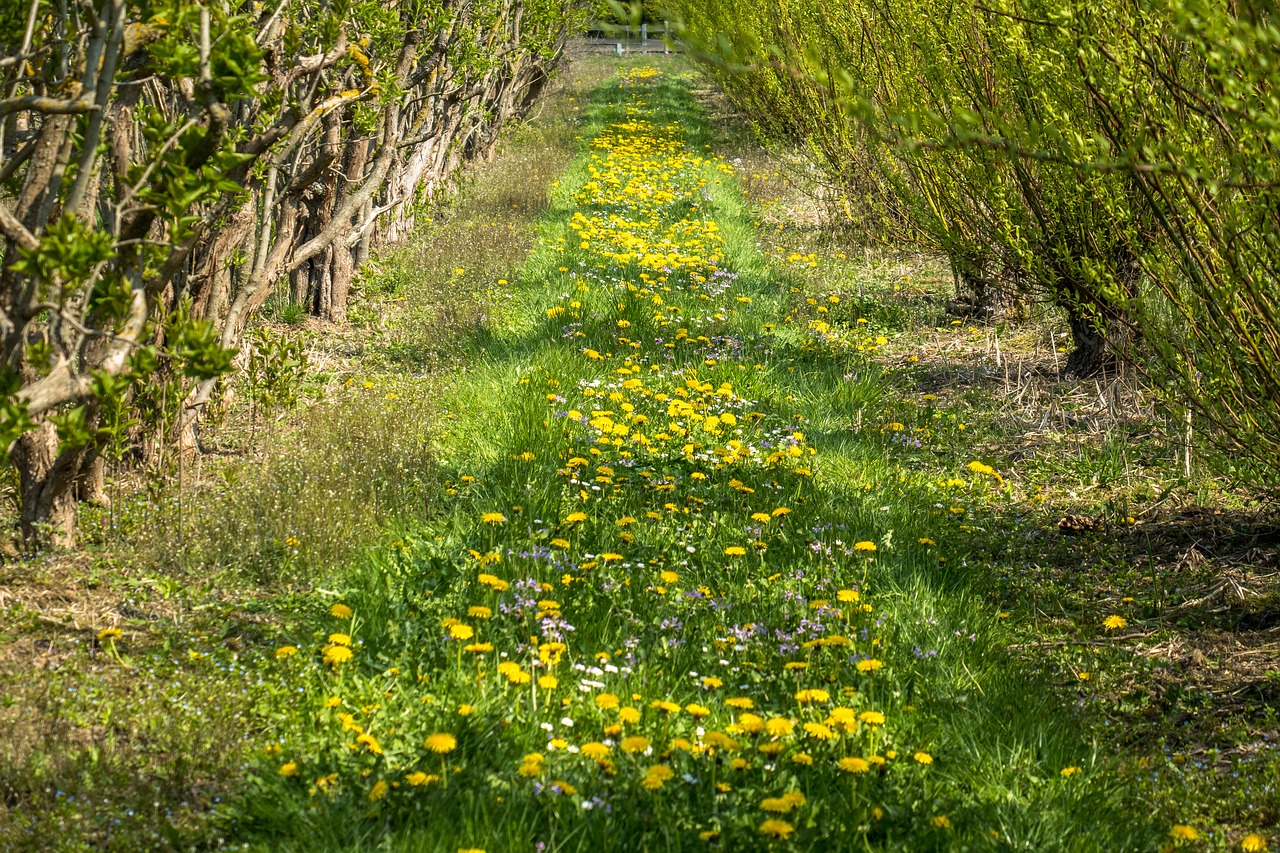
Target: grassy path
676 598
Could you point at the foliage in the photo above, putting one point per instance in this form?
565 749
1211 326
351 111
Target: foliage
269 143
1118 158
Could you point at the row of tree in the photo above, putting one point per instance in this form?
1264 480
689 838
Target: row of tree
1119 157
167 165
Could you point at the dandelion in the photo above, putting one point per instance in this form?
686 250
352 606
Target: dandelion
629 715
813 695
735 551
1068 772
941 822
635 743
865 546
1114 622
779 726
923 758
493 518
606 701
575 517
595 750
872 718
777 829
441 743
340 611
777 805
740 703
1183 832
378 791
335 655
853 765
340 639
461 632
286 652
869 665
110 634
479 612
1253 843
289 768
548 682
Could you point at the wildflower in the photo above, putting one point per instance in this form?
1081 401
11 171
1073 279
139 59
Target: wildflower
461 632
1253 843
777 805
378 791
697 710
575 517
335 655
854 765
340 611
872 718
286 652
819 731
941 822
340 639
465 710
669 577
441 742
370 743
1114 623
289 768
478 648
813 695
803 758
418 778
711 682
741 703
629 715
865 546
1069 771
1182 832
735 551
109 634
479 611
606 701
595 750
635 743
778 829
493 518
847 596
779 726
780 511
923 757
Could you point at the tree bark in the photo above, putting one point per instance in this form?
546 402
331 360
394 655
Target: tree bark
46 480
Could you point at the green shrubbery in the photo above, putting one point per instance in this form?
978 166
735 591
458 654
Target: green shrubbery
1118 158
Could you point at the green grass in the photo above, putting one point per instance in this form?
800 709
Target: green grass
948 688
447 399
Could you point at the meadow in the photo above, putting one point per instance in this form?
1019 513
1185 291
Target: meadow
639 512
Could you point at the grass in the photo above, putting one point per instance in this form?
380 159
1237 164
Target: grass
449 398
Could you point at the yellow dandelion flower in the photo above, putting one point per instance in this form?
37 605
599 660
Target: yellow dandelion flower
595 750
923 758
461 632
378 791
286 652
289 768
493 518
941 821
441 742
635 743
1253 843
335 655
779 829
575 517
741 703
606 701
865 546
779 726
869 665
872 718
854 765
341 611
1183 832
1114 623
735 551
548 682
803 758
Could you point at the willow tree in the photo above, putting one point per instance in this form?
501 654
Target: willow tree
166 165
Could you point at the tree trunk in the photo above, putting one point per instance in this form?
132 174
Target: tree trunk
1099 343
47 477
